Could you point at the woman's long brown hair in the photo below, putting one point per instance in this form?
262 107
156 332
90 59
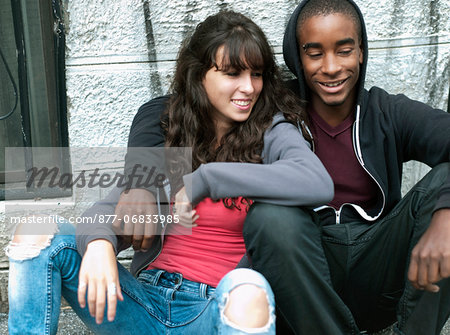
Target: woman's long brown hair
189 110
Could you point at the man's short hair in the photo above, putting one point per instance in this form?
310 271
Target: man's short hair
327 7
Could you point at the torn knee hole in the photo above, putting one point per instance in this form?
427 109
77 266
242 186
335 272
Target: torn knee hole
247 306
19 250
28 241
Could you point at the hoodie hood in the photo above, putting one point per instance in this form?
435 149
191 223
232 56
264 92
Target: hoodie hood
292 56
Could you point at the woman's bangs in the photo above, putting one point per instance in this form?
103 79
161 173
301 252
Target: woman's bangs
242 55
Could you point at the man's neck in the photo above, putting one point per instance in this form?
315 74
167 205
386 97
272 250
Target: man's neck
333 115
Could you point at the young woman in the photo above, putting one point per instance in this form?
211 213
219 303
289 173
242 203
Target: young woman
227 104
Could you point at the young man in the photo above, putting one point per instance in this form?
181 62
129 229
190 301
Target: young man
369 257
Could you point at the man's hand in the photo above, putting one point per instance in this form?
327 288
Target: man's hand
99 276
134 219
430 258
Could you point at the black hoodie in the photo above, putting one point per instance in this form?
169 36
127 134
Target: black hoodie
388 130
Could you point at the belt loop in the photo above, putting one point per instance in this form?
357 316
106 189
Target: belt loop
156 277
178 280
203 288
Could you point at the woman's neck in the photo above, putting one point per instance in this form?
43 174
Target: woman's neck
221 130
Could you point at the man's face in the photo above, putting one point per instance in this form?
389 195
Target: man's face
331 55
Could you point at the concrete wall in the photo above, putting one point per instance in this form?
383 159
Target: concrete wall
120 53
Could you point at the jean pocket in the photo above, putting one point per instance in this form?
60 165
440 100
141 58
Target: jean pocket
185 307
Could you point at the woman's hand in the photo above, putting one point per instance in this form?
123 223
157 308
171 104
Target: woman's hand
183 209
99 276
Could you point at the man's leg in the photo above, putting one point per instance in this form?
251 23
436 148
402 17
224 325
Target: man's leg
422 312
373 283
284 244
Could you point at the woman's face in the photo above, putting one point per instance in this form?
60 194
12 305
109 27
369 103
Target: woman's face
232 93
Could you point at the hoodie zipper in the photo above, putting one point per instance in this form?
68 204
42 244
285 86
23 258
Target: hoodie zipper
338 215
358 153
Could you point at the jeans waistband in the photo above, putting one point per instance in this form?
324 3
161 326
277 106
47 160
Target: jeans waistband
177 282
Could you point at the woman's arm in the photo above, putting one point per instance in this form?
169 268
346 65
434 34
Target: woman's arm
291 175
99 278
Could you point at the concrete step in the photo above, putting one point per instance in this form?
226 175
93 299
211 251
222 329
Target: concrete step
70 324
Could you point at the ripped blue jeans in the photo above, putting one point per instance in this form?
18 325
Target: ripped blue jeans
157 302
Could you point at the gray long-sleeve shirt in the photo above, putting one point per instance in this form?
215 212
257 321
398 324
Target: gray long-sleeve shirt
291 175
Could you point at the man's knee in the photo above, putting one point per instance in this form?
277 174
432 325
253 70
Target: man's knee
437 176
443 168
278 221
426 194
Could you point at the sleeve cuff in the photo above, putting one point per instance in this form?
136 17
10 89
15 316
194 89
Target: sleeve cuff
84 240
444 195
196 188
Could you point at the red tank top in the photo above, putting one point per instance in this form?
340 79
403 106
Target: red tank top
213 248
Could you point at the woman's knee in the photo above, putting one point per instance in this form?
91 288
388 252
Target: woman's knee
247 300
36 234
247 306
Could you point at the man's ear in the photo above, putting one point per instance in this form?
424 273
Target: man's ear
361 54
300 60
299 50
